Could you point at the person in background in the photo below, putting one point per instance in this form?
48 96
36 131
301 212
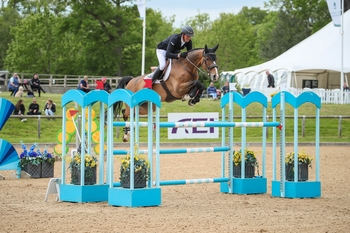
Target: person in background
34 108
14 84
225 89
211 90
270 80
83 85
35 84
50 108
106 85
20 110
170 48
345 87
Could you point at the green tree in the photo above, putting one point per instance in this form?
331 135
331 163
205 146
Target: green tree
8 19
295 21
40 46
237 42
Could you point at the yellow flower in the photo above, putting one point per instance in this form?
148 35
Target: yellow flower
249 157
141 165
302 158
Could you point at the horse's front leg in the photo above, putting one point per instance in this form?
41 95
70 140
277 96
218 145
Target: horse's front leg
126 135
195 93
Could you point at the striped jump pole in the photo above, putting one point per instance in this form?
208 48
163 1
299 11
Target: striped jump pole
202 124
189 181
176 151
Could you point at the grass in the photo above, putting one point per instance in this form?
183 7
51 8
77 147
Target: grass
14 130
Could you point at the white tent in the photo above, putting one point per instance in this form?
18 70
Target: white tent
315 62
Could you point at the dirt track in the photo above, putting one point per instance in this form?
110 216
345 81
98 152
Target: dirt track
190 208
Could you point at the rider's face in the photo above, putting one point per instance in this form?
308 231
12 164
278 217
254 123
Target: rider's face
186 38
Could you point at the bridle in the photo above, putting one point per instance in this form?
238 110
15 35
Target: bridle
205 56
212 57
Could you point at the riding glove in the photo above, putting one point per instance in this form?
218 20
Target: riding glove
183 55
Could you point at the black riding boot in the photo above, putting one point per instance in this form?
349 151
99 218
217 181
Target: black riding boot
156 74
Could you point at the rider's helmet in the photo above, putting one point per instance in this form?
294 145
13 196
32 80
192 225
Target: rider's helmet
187 30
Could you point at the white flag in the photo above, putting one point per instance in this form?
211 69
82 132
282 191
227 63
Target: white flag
334 7
141 5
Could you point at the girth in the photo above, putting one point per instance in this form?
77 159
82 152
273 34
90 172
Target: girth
169 97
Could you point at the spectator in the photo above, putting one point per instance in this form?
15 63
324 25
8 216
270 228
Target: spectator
20 110
225 89
35 84
211 90
270 80
106 85
345 87
50 108
14 84
83 84
34 108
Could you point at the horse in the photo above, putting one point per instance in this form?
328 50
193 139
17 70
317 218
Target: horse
183 80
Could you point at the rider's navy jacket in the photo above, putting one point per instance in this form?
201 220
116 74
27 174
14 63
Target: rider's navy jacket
172 45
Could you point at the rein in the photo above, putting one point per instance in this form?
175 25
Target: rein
197 68
185 68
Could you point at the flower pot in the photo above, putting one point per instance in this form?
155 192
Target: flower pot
303 172
139 180
47 169
33 170
249 171
90 176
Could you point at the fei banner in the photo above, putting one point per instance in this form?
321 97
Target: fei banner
334 7
193 132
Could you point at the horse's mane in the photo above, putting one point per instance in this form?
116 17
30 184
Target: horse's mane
194 49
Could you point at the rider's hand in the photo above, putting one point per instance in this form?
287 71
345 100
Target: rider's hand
183 55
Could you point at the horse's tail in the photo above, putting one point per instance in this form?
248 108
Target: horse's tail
124 81
117 106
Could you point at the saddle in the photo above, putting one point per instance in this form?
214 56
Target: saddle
165 74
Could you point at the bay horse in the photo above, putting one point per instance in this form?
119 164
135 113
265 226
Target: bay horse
183 79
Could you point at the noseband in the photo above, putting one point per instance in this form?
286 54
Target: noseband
212 57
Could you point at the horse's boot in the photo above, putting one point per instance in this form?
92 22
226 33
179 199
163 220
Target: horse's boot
156 74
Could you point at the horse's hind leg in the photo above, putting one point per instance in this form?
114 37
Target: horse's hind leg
126 113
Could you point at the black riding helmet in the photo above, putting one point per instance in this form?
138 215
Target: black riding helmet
187 30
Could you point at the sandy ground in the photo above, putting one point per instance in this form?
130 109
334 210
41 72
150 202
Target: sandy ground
189 208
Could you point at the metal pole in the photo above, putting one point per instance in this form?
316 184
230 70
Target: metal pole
38 126
143 40
342 54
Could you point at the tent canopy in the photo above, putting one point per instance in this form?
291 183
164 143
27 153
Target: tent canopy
320 53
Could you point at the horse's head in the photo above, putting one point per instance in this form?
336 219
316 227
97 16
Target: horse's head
209 62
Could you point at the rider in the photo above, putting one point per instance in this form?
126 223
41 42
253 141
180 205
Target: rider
170 48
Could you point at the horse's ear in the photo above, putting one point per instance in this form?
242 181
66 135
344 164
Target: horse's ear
215 48
206 49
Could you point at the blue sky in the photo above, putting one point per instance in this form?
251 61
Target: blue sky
184 9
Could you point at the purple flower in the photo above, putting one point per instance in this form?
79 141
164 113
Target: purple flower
32 154
22 155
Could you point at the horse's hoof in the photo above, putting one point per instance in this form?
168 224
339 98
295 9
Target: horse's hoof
191 103
125 140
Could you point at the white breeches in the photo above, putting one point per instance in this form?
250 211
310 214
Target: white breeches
161 58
